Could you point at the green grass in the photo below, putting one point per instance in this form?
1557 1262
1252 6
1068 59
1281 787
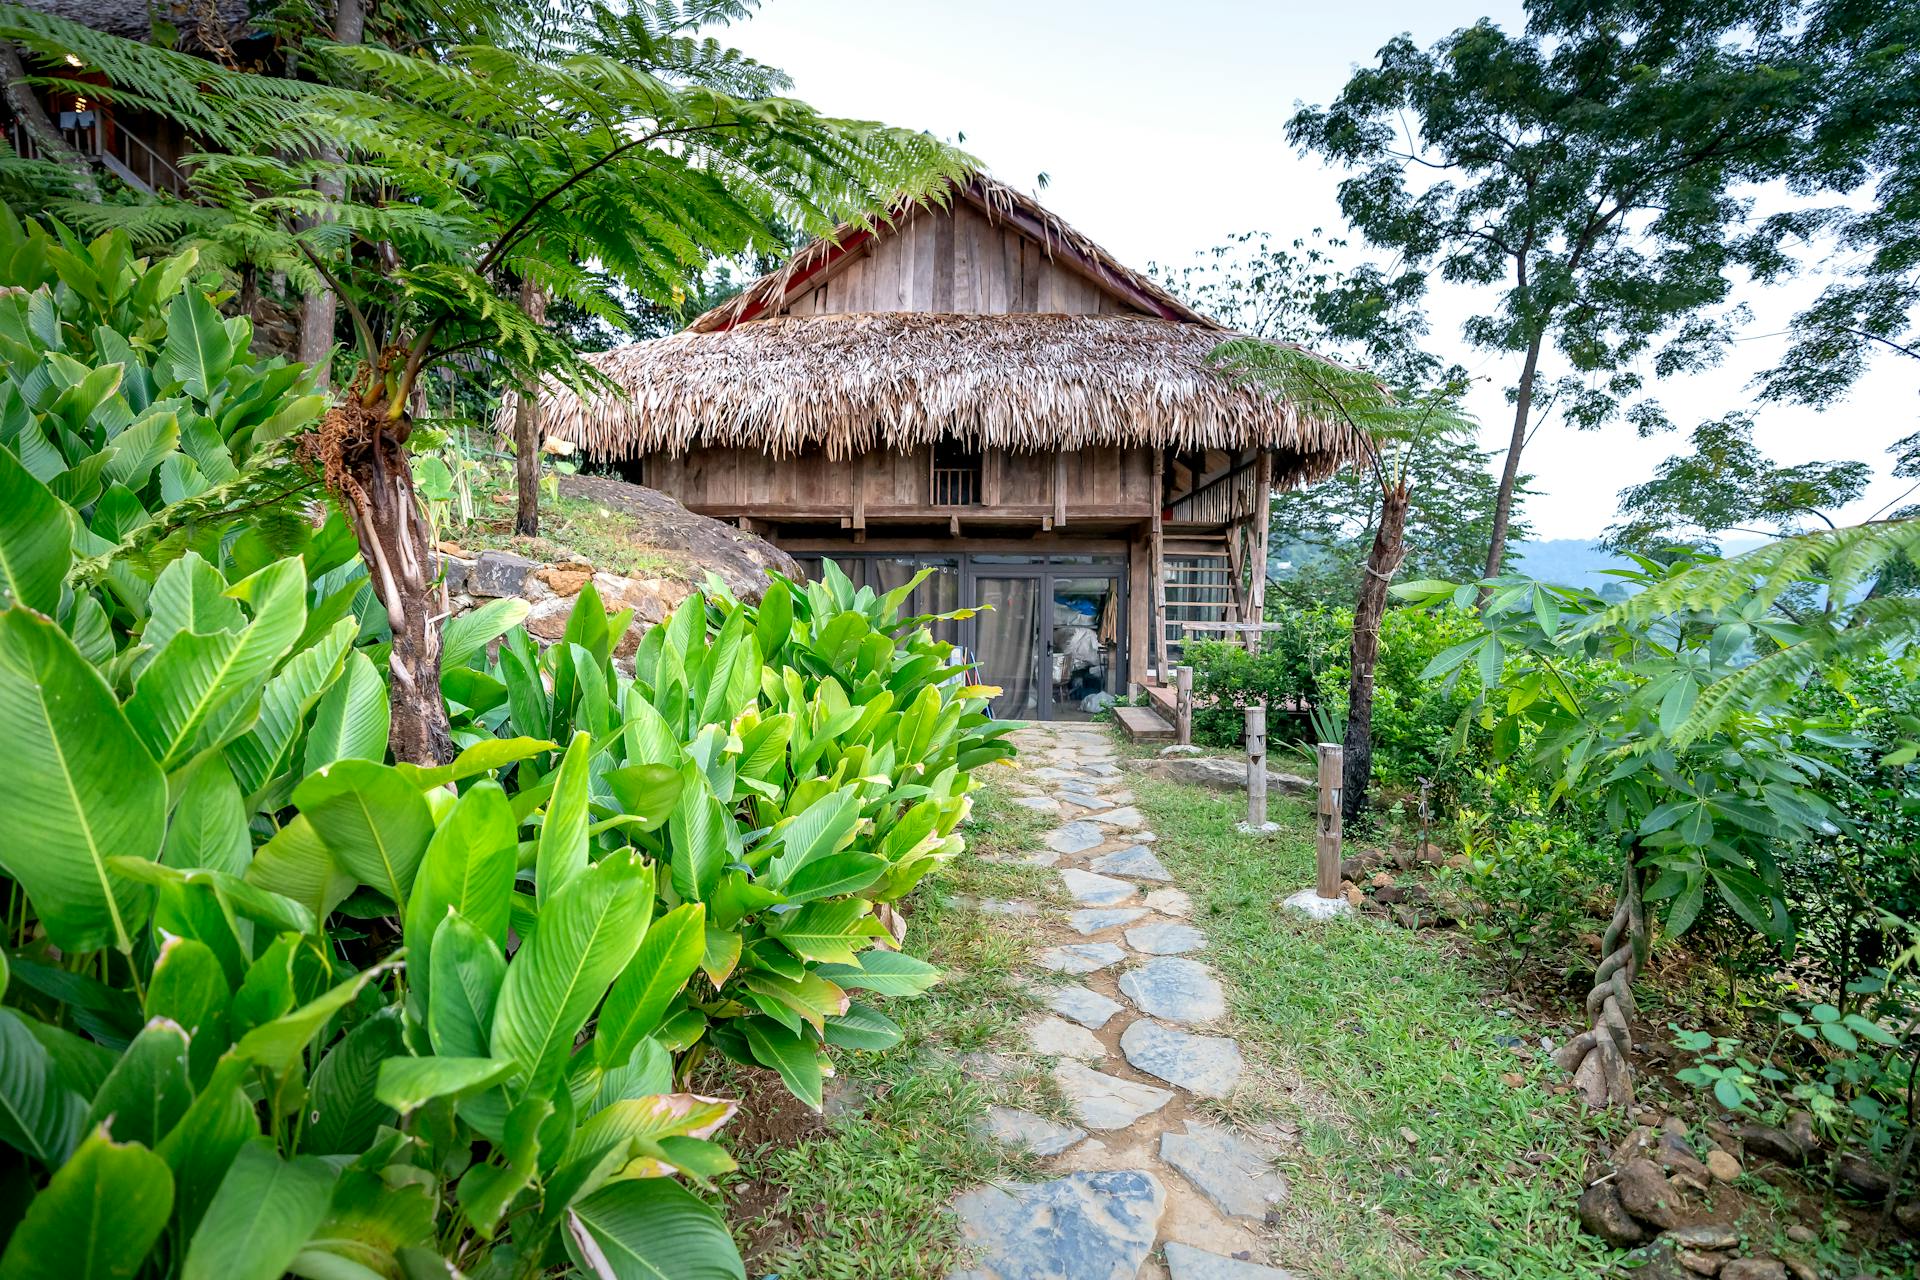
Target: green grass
1385 1048
868 1197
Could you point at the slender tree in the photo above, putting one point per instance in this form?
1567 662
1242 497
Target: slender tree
1586 171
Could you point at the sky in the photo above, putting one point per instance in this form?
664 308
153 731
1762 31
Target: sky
1160 126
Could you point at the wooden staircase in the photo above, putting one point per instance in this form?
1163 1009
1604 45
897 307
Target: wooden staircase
1201 586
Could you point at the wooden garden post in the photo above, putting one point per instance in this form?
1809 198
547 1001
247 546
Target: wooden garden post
1183 705
1327 842
1257 766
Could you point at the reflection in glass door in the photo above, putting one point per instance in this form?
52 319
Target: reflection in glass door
1008 644
1083 649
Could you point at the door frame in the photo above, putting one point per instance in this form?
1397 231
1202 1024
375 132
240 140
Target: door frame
1045 575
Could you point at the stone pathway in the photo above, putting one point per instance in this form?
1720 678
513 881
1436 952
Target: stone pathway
1148 1186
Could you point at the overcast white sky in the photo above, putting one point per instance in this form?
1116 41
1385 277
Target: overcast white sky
1160 124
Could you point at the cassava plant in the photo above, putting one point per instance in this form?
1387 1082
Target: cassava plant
1674 713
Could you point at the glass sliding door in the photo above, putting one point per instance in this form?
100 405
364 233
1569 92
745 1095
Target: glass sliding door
1085 617
1007 645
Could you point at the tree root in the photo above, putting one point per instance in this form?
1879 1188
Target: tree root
1598 1058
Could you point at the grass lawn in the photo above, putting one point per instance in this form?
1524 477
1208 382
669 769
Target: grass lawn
864 1194
1387 1049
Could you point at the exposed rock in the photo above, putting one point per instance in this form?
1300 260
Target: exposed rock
1123 817
1184 1262
1087 1226
1358 867
1800 1129
740 559
1636 1145
1677 1158
1602 1214
1723 1167
1076 837
1773 1144
1058 1038
1094 919
1088 1008
1036 1133
1705 1235
1085 800
1208 1066
567 579
1701 1264
495 574
1080 957
1800 1268
1754 1269
1096 890
1860 1175
1908 1216
1236 1173
1166 939
1107 1102
1183 749
1801 1233
1174 988
1039 804
1647 1194
1221 773
1136 861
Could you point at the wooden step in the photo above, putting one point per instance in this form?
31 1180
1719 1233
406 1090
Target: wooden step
1165 699
1143 724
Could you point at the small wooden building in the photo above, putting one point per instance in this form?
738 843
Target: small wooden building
974 386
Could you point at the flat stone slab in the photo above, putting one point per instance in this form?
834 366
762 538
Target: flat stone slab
1076 837
1088 1008
1107 1102
1205 1065
1236 1173
1017 1128
1039 858
1095 890
1184 1262
1165 939
1170 902
1058 1038
1080 957
1004 907
1094 919
1053 773
1085 800
1039 804
1174 988
1136 861
1087 1226
1127 816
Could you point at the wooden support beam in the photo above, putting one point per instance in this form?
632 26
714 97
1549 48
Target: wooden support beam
1157 557
1326 850
1059 489
1261 536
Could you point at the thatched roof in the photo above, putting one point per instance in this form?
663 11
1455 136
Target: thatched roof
1001 204
894 380
202 25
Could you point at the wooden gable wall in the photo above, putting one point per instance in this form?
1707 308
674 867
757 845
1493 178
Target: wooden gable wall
954 260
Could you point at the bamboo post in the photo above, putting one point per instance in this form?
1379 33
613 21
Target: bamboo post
1327 844
1257 766
1183 705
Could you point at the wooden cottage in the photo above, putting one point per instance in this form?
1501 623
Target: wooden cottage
976 387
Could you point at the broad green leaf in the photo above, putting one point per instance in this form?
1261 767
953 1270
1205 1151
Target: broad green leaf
699 832
189 987
863 1027
887 973
407 1084
236 896
351 719
36 539
481 757
148 1090
199 350
588 933
204 1143
650 1229
649 1070
265 1210
659 970
40 1115
265 751
344 1110
468 970
815 833
466 635
372 819
830 931
95 792
97 1219
647 793
209 824
295 864
276 1045
487 1189
562 850
468 868
788 1053
189 595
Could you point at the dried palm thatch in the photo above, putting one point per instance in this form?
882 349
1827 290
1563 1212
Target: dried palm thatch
1000 203
893 380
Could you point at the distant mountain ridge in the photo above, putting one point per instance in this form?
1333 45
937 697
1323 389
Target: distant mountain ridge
1582 562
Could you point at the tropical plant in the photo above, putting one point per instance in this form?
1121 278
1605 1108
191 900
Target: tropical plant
626 156
1680 725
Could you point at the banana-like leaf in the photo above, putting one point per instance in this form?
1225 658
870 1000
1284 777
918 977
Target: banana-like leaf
36 539
373 821
265 1210
148 1090
407 1084
562 850
41 1116
468 869
649 1228
65 1231
668 956
351 720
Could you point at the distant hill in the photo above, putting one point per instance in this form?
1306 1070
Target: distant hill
1567 562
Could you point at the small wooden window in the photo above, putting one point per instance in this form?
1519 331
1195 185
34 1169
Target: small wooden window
956 475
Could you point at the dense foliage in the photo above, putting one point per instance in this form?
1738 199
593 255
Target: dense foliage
289 1007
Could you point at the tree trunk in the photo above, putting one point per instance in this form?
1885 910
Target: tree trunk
39 126
1510 474
1383 561
526 429
320 309
367 466
1599 1057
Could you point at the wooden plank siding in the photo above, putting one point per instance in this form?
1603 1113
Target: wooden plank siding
954 261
